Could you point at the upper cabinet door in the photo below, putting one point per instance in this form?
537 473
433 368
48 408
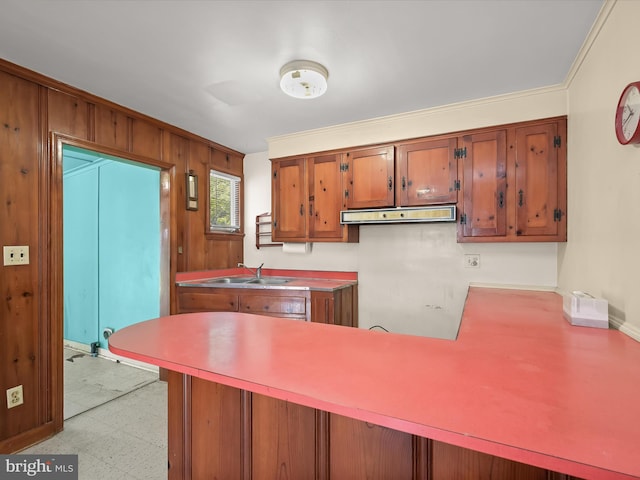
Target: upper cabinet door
289 200
325 196
484 158
538 209
427 173
370 177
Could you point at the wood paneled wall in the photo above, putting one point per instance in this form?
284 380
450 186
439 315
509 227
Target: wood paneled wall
37 112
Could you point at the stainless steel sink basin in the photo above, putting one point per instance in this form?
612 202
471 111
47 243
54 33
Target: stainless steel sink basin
230 280
270 281
250 280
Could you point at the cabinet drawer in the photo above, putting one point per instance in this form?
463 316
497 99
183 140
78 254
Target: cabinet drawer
295 306
206 301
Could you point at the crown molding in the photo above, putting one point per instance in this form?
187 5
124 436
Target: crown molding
596 28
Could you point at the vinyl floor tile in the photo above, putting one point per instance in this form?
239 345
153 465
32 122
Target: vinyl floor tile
124 438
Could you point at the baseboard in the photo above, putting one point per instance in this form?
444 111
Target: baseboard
107 354
624 327
82 347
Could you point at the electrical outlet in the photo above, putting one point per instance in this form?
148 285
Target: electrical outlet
14 396
16 255
472 260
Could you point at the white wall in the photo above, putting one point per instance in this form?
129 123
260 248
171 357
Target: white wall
602 254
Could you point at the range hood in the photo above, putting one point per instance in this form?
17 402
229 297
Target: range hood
441 213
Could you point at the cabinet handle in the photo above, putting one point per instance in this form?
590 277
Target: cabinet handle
501 200
301 209
520 198
404 184
390 184
310 209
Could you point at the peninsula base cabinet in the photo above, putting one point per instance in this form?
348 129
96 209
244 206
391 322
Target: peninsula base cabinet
218 431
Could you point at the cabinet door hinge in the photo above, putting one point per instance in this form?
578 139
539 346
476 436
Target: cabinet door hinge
460 153
463 219
557 215
456 185
275 224
344 167
275 174
557 141
346 194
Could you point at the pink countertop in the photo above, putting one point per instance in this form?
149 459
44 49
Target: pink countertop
519 382
303 279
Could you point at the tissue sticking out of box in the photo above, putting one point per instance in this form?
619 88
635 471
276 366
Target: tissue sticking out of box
585 310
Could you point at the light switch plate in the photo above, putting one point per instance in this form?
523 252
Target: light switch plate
16 255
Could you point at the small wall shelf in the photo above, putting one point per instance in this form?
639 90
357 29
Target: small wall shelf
263 231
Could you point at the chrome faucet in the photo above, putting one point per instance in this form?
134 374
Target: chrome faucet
257 272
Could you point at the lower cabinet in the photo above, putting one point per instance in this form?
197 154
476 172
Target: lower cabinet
338 307
217 431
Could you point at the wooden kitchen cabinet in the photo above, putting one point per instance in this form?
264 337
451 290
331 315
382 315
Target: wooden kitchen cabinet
541 181
449 461
509 183
204 300
325 198
275 303
413 173
225 432
514 183
307 196
337 307
427 172
282 439
360 449
289 200
370 177
484 180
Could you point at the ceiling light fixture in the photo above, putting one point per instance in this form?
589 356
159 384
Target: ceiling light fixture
303 79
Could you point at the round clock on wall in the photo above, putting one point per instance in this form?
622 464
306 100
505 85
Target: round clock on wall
628 115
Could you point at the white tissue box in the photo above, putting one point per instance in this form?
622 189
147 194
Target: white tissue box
584 310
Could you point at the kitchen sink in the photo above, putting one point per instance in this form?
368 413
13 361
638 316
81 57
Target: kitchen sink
250 280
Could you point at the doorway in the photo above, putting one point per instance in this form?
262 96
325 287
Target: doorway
110 266
111 255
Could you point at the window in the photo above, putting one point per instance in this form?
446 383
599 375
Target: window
224 202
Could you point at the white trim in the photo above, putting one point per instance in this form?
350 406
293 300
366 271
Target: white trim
412 124
599 22
629 330
80 169
507 286
82 347
106 354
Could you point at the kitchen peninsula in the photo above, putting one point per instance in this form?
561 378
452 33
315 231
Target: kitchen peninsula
520 394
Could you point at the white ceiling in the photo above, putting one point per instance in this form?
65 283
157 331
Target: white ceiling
211 67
